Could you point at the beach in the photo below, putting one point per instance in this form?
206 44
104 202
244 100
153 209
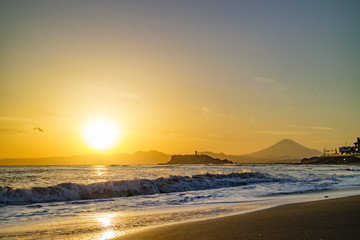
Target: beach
325 219
178 202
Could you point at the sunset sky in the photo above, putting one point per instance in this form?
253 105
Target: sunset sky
178 76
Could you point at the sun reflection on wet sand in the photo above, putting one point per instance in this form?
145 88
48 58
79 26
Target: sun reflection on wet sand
108 235
106 221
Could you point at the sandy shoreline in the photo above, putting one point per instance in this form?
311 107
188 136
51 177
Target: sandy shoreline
326 219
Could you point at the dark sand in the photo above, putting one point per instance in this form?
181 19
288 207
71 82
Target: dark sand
327 219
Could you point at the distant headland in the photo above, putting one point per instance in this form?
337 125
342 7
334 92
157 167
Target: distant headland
196 159
345 155
345 159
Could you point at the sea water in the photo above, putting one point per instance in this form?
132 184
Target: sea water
101 202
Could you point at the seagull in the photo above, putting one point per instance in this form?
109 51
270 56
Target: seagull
38 129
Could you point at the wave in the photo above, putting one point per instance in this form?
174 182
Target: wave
310 190
126 188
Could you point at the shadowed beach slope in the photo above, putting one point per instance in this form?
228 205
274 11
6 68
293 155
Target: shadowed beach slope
327 219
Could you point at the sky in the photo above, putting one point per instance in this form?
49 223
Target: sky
178 76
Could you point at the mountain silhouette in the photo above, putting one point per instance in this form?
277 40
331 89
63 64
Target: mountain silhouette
285 151
142 157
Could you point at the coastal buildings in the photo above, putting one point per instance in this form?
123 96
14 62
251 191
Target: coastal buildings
346 155
351 149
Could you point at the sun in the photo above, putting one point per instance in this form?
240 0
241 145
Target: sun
101 134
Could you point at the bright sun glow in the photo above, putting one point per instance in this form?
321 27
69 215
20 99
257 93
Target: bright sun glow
101 134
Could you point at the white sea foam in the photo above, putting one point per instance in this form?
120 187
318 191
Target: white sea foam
28 185
126 188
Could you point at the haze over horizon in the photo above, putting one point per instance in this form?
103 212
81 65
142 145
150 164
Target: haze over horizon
282 147
220 76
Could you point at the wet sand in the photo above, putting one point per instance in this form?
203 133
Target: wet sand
326 219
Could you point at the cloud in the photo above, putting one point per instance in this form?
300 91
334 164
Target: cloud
108 91
264 104
205 110
306 130
271 132
13 119
320 128
9 125
129 95
270 81
7 130
321 141
213 135
264 80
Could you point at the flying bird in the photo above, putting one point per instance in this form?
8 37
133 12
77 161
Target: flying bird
38 129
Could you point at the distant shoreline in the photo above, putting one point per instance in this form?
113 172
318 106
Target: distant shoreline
330 159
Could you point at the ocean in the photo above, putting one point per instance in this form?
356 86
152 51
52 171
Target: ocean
101 202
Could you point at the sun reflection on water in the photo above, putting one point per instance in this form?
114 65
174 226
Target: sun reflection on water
99 170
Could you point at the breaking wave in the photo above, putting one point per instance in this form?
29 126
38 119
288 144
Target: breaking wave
126 188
